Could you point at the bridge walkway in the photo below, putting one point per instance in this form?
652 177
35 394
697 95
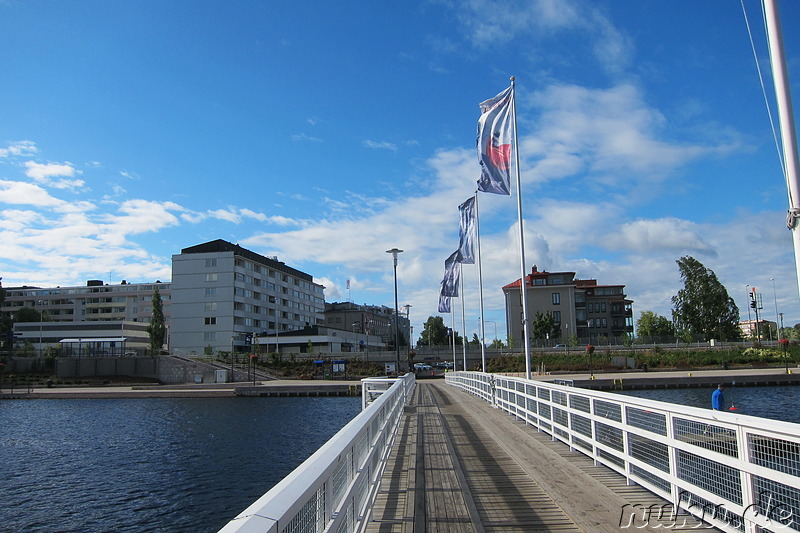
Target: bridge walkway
459 465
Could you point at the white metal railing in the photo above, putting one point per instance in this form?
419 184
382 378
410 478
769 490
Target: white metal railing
334 489
736 472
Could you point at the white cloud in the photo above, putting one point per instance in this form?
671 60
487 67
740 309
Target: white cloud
20 148
45 172
19 193
665 234
302 137
380 145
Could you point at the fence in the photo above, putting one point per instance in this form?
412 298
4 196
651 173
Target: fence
334 489
738 473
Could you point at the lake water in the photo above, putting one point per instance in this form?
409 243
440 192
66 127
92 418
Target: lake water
147 465
778 403
191 465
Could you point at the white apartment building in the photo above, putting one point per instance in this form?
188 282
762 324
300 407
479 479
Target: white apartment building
224 295
97 301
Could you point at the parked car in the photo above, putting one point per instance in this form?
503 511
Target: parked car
422 369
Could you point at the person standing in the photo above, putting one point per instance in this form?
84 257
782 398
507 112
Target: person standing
718 399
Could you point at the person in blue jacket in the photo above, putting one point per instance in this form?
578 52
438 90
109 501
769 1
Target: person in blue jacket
718 399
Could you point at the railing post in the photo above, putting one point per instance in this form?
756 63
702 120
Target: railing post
746 479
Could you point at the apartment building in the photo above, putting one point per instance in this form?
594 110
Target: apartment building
374 320
580 307
96 301
224 296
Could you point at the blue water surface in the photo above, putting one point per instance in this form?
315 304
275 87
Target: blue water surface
778 402
147 465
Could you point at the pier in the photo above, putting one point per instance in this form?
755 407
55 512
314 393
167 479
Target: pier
458 464
483 452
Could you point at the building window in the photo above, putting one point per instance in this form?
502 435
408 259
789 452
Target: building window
210 306
211 291
210 320
211 276
211 263
209 335
556 298
557 317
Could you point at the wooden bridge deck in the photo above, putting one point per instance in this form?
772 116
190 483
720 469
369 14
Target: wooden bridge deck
459 465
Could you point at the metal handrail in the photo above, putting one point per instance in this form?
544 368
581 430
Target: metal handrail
739 473
335 488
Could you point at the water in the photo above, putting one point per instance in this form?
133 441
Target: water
151 465
778 403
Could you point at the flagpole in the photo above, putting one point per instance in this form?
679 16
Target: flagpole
453 334
480 282
523 285
463 322
783 100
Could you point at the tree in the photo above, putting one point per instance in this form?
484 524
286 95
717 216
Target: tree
652 325
544 326
157 329
497 344
27 314
475 340
434 332
703 307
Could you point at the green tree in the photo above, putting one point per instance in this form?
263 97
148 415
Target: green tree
651 325
497 344
475 340
27 314
157 329
703 307
434 332
544 326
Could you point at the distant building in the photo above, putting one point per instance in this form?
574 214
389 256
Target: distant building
321 339
580 307
224 295
83 339
766 330
375 320
96 301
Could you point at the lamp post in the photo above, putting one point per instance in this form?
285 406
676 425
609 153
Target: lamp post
408 319
394 252
775 299
41 318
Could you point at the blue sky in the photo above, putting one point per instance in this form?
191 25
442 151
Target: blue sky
328 132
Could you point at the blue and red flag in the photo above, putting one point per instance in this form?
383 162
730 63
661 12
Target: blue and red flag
494 143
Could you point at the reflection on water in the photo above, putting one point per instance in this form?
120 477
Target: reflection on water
176 465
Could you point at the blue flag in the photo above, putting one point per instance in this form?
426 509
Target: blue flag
444 302
494 143
451 276
466 237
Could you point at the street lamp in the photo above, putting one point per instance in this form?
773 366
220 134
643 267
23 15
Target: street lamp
775 299
408 319
394 252
41 318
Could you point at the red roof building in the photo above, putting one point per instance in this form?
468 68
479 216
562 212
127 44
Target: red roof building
582 309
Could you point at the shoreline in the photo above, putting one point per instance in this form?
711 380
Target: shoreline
661 379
